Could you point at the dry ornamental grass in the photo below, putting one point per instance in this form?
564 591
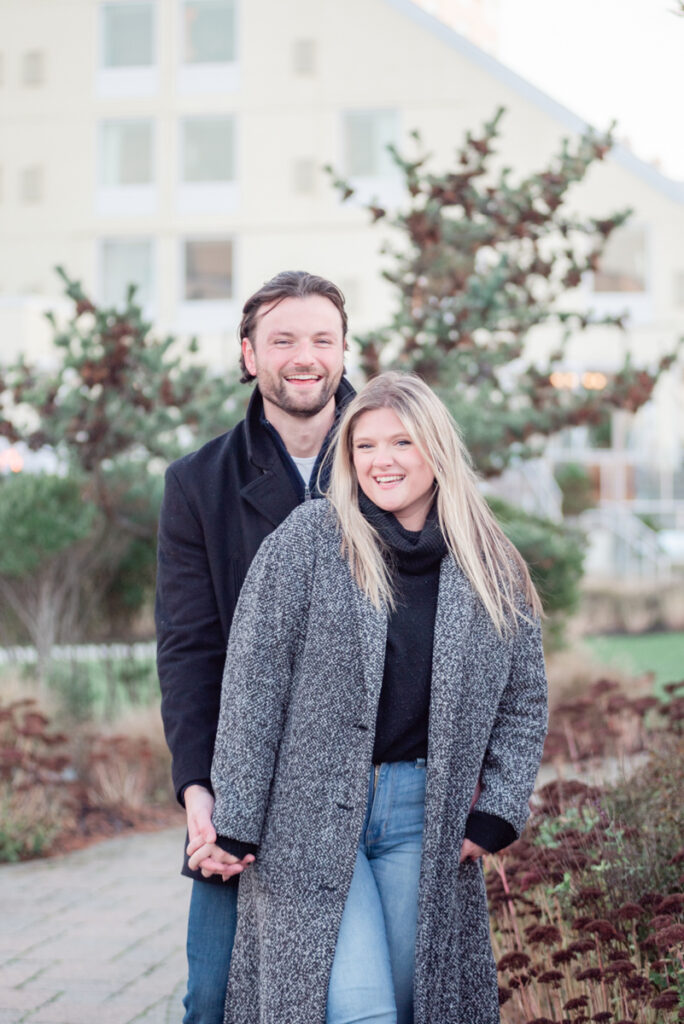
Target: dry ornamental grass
587 907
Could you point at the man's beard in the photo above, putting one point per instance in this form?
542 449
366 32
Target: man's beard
304 406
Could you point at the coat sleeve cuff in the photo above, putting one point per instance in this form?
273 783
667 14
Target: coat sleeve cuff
489 831
235 847
180 795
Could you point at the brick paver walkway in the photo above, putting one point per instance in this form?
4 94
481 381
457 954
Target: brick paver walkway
97 936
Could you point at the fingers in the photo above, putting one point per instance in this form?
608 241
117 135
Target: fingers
206 851
209 855
200 827
471 851
198 842
212 866
215 867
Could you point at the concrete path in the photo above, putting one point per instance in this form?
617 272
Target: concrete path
96 936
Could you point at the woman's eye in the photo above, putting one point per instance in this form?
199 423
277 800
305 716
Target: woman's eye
403 443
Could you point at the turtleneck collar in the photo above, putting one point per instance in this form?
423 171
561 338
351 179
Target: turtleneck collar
412 551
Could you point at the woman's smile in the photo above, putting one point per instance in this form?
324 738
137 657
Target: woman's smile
391 469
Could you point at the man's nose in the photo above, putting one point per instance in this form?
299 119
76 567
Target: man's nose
304 354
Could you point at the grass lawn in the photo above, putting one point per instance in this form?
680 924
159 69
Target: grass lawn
661 653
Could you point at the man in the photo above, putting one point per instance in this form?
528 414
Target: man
219 504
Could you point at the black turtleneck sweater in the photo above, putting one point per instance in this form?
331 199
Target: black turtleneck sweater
401 731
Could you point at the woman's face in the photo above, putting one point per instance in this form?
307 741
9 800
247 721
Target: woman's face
391 469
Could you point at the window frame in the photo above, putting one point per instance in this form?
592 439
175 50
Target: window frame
384 186
209 195
126 200
150 304
197 77
205 314
127 80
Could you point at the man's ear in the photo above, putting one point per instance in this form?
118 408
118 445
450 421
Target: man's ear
248 356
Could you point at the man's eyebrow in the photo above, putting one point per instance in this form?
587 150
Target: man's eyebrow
327 333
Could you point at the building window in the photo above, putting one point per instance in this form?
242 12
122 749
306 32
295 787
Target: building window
31 185
33 68
208 32
124 262
126 153
127 35
208 270
623 264
304 56
208 150
366 135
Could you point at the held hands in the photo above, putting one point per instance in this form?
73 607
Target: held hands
212 860
202 848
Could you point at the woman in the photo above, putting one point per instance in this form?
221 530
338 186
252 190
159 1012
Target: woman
382 721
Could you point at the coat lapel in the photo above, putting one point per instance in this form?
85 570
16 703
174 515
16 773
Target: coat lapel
453 634
272 495
371 628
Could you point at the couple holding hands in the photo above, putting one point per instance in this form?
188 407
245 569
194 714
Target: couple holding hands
377 722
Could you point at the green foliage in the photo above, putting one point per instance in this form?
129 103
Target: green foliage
588 903
577 488
476 260
102 690
22 838
657 653
119 394
120 403
554 554
647 824
40 516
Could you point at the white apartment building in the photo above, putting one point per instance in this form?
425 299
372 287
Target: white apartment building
180 144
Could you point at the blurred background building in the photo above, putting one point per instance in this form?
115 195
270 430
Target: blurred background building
180 144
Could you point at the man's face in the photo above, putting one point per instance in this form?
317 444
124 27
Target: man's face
297 355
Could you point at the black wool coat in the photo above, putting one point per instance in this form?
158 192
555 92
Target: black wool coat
219 504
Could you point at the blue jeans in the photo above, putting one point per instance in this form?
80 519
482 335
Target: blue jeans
211 931
372 973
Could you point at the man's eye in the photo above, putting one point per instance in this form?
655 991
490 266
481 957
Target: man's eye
324 341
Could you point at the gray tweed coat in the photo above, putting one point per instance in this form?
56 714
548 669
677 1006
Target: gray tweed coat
291 762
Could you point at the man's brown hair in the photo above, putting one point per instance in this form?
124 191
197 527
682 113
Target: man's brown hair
289 284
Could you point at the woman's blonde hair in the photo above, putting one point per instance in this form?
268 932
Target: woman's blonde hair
496 570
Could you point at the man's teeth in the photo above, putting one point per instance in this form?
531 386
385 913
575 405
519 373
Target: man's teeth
303 376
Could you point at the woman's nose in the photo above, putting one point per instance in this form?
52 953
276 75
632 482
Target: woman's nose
383 457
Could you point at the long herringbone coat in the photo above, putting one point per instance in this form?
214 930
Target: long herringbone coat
291 762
